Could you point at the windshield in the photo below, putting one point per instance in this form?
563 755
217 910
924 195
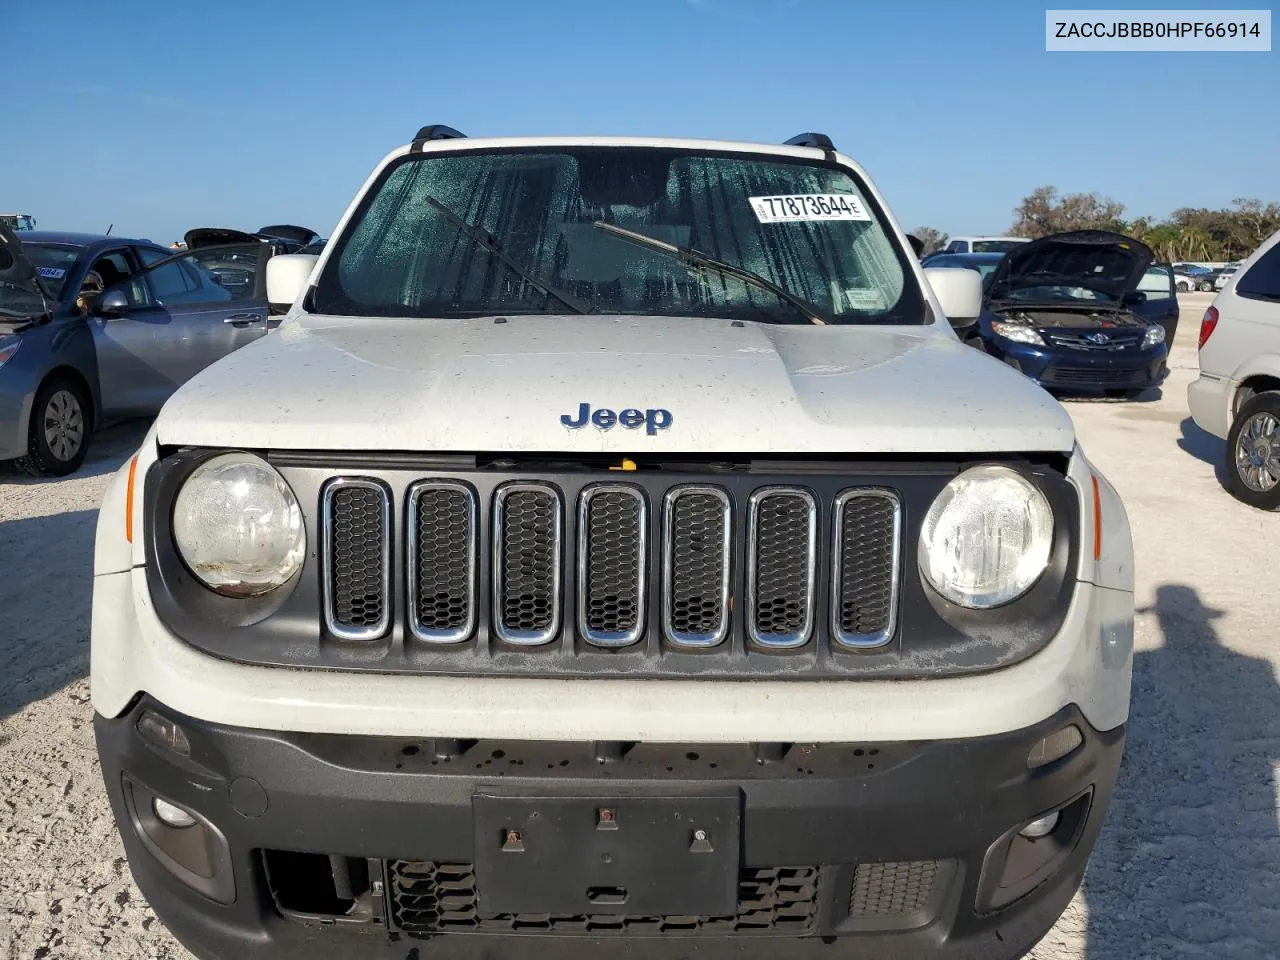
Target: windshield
1058 291
995 246
53 262
805 226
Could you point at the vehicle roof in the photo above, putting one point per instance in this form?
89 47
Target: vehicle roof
684 143
78 239
986 237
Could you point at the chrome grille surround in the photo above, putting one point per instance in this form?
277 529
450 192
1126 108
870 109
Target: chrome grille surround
345 628
531 566
676 556
759 534
413 558
588 546
840 566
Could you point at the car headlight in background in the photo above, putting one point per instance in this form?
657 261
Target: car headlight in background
238 526
1017 332
986 538
8 347
1154 337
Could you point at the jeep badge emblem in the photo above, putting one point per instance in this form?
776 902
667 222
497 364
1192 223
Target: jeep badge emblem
652 420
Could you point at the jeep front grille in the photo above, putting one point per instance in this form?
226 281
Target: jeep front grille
611 564
442 561
618 557
695 575
526 563
357 558
782 532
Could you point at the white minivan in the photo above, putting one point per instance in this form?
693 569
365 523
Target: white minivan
1237 395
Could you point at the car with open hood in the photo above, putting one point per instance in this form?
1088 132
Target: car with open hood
100 328
616 547
1066 310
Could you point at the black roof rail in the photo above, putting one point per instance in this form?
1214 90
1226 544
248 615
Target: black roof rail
437 131
819 140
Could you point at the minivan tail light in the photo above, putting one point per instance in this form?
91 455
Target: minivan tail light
1208 323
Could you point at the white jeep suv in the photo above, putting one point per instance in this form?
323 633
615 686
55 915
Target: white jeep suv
614 548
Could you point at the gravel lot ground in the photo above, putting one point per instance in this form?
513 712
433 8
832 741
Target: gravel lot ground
1188 865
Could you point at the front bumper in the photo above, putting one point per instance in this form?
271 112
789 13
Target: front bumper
357 846
1062 369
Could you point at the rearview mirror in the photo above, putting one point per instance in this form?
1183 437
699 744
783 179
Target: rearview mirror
287 277
113 303
959 291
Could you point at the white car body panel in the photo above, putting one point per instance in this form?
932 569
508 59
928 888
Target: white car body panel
411 384
1244 345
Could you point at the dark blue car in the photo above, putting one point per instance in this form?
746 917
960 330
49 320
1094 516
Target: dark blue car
1069 311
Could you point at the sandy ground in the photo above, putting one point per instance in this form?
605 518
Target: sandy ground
1188 865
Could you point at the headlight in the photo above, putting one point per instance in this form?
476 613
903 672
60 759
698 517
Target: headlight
238 526
8 347
1017 332
1155 336
987 537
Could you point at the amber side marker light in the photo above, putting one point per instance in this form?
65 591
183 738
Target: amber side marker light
1097 520
128 504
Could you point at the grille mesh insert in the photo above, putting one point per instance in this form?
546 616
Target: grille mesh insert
356 572
892 889
867 554
613 559
429 898
696 546
444 554
782 567
529 537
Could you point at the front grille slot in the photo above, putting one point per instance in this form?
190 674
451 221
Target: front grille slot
442 561
357 558
429 898
884 890
695 585
782 531
611 565
868 530
526 563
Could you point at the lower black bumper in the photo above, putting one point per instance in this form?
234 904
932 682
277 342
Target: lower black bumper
325 845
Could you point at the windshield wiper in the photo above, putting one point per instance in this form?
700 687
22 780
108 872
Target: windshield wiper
697 258
483 239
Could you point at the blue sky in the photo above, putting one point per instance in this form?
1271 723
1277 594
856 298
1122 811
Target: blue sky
242 114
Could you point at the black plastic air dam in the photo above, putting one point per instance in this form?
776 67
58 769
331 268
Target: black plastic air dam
931 810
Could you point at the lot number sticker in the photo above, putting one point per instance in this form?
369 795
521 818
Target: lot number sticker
51 273
808 206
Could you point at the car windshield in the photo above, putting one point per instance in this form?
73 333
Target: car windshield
486 232
53 262
1058 291
994 246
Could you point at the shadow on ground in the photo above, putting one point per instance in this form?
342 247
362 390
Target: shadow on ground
1150 395
1204 446
1188 864
45 590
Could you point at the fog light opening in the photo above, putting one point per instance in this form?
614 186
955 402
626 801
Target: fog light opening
172 815
164 733
1054 747
1041 827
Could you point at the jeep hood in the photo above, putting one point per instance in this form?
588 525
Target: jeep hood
1109 263
463 385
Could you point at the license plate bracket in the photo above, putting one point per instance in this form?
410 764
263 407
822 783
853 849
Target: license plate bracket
619 856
